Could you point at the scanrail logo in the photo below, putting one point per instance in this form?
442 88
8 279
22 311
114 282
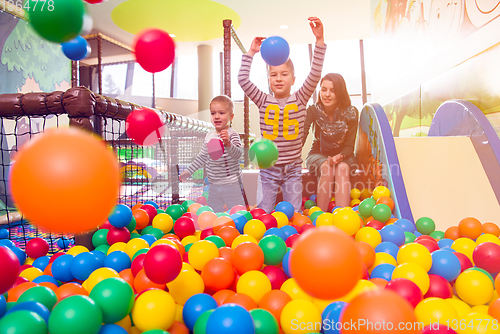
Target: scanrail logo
354 325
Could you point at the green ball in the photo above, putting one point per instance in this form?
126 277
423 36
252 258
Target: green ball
186 204
134 235
146 229
246 214
438 235
263 153
132 225
156 232
264 321
425 225
139 252
200 326
381 212
222 214
115 298
205 194
23 322
10 305
188 247
274 249
158 211
309 204
155 331
175 211
75 314
60 21
40 294
100 237
484 272
366 206
218 241
103 248
409 237
315 215
202 209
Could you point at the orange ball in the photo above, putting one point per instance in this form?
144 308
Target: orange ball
178 244
70 289
247 256
491 228
226 253
452 233
141 218
18 290
217 274
49 285
376 308
48 270
72 169
301 220
127 276
470 228
241 299
274 301
221 222
367 253
228 234
325 262
142 282
194 207
206 220
380 282
137 206
178 328
221 296
386 200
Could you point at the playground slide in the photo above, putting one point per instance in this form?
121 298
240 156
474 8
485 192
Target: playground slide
449 175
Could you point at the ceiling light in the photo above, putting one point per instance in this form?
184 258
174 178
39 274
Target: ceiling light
172 35
284 26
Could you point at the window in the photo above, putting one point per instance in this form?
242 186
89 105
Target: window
113 79
186 77
142 84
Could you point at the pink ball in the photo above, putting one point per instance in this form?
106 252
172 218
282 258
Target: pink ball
276 276
268 220
206 232
162 263
291 240
184 226
144 127
201 200
154 49
237 208
439 287
138 264
37 247
10 269
487 256
151 210
431 245
256 213
106 225
118 234
436 328
465 262
406 289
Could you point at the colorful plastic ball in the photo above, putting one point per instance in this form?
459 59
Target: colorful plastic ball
247 256
76 49
255 228
465 246
75 314
439 287
164 222
70 289
162 263
153 309
491 228
425 225
184 226
257 212
474 287
264 322
380 191
383 271
117 260
187 284
98 276
154 49
117 234
406 289
393 233
230 318
32 306
314 262
366 207
415 253
381 212
470 228
100 237
200 326
36 248
63 242
487 257
276 231
151 210
286 208
85 175
112 329
61 268
369 235
263 153
288 230
275 275
406 225
387 247
274 249
438 235
435 310
445 264
299 312
23 321
286 263
83 265
445 243
218 274
201 252
414 273
10 269
269 221
275 50
309 204
4 233
115 298
431 245
40 294
347 220
195 306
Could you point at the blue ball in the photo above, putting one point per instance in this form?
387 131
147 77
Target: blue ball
117 260
63 242
313 198
332 316
288 230
275 50
276 231
83 265
393 233
46 278
100 256
21 255
383 270
229 319
112 329
387 247
41 262
61 268
76 49
286 208
417 233
406 225
4 233
195 306
239 221
7 243
285 263
445 243
445 264
3 306
32 306
149 238
335 208
206 188
153 203
120 216
206 181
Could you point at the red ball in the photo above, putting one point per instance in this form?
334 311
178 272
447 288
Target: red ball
487 256
465 262
217 274
118 234
154 50
331 205
144 127
406 289
306 227
375 224
138 264
268 220
439 287
106 225
55 256
37 247
431 245
162 263
184 226
276 276
237 208
95 1
206 232
10 269
201 200
422 237
257 212
291 240
151 210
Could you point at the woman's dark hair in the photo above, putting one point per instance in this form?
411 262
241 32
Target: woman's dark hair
343 99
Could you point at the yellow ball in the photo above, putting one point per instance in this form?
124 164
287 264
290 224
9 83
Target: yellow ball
31 273
369 235
474 287
435 310
480 309
154 309
178 313
255 228
360 287
190 239
366 193
187 284
135 245
381 191
324 219
77 250
291 288
164 222
487 238
29 260
381 258
414 273
201 252
117 246
281 218
125 323
354 202
135 330
165 242
300 316
347 220
465 246
415 253
313 210
355 193
459 305
241 239
479 324
321 304
99 275
255 284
